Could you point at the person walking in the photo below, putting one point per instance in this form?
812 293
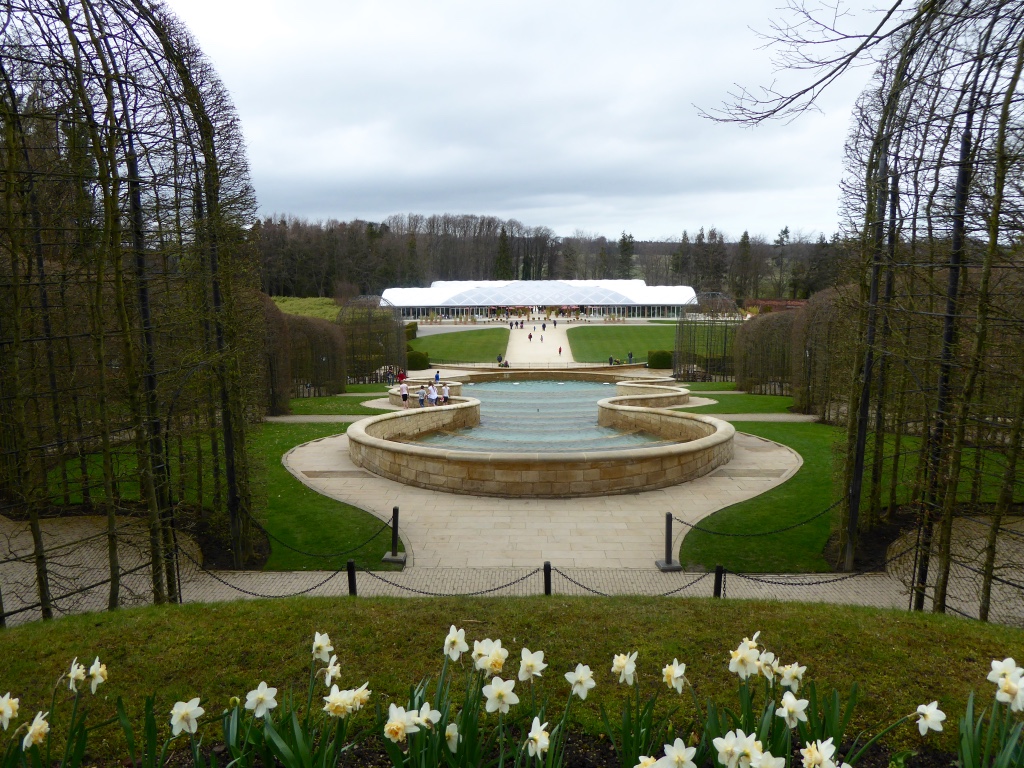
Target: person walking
431 395
542 338
529 337
445 394
559 351
422 392
404 389
437 377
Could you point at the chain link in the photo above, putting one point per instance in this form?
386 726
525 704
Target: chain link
329 555
250 593
695 527
581 586
534 572
844 577
685 586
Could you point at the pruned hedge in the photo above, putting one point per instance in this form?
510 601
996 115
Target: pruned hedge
659 358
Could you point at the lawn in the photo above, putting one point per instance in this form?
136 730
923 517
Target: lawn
304 518
710 386
216 651
366 388
808 492
745 404
481 346
333 406
594 343
324 308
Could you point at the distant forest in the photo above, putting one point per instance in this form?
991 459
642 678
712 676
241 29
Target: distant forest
334 258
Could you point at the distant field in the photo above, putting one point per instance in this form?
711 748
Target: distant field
481 346
325 309
593 344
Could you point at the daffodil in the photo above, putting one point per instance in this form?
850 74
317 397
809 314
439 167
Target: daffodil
455 643
646 762
481 650
97 674
399 725
582 680
426 717
624 665
495 660
792 709
743 661
452 737
36 733
532 664
792 676
737 749
261 700
1008 688
76 675
8 709
930 717
322 646
674 675
360 697
818 754
1005 668
539 739
749 749
768 666
499 695
339 703
184 716
332 670
767 761
677 755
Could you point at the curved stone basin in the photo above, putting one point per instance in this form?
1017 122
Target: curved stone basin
702 444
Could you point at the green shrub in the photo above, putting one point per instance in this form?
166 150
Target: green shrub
659 358
417 360
410 330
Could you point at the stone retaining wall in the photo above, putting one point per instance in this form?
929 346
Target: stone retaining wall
705 443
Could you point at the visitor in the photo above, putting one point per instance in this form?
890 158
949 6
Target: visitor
543 326
554 323
542 338
445 394
559 351
431 395
437 377
404 389
630 354
529 337
422 392
401 375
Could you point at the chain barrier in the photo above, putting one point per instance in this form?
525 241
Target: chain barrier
581 586
325 556
819 582
997 579
29 556
696 527
687 586
250 593
534 572
80 590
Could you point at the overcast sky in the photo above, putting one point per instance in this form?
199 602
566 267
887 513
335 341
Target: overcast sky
563 114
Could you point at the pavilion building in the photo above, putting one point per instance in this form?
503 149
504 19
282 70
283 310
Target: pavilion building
485 299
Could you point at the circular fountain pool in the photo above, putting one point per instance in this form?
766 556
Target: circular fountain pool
669 447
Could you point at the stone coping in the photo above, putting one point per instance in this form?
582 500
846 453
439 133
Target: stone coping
703 443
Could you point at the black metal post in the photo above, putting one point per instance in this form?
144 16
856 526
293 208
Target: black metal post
394 556
351 566
667 564
547 578
719 578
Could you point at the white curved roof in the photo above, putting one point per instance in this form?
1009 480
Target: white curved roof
519 293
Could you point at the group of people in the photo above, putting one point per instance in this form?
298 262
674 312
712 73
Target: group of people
518 324
432 394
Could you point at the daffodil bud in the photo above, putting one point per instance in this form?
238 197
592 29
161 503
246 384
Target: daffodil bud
234 701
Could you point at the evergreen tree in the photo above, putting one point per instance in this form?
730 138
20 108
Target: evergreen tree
682 260
503 264
627 247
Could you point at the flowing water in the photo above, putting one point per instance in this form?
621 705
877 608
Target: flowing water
539 416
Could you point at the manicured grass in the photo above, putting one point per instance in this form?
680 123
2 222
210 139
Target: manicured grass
594 343
745 404
216 651
333 406
324 308
710 386
305 519
481 346
366 388
805 494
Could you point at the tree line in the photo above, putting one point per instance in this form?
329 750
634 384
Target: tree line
334 258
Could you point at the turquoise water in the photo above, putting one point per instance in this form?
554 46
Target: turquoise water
539 416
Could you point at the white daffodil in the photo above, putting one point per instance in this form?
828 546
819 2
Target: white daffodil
752 644
339 703
8 709
261 700
677 755
332 670
792 676
674 675
184 716
582 680
455 643
36 733
481 650
646 762
499 695
495 660
532 665
930 718
97 674
360 697
1008 687
1005 668
767 761
743 661
322 646
624 665
76 675
728 749
452 737
426 717
399 725
768 666
539 739
749 749
819 754
792 709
